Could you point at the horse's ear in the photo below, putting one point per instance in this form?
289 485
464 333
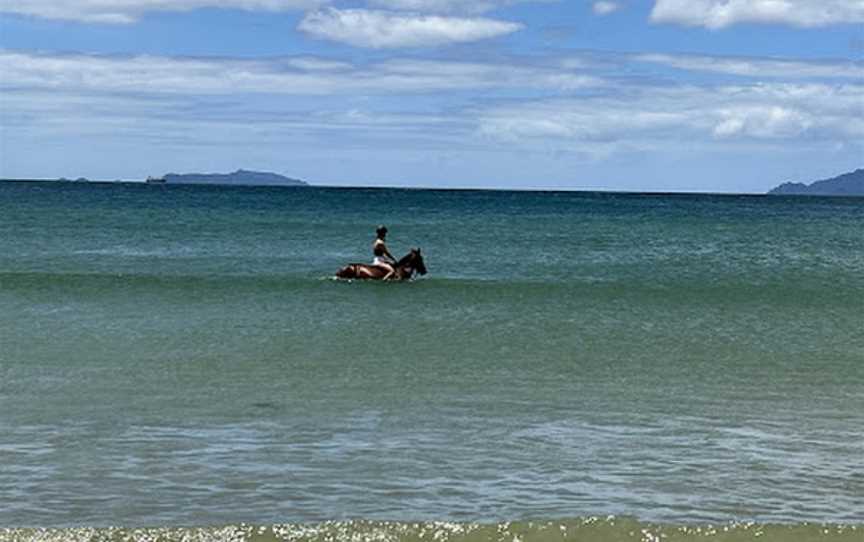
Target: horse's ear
418 250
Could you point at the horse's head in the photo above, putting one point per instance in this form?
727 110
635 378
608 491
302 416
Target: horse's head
417 261
413 262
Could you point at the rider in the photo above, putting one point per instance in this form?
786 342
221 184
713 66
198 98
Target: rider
383 258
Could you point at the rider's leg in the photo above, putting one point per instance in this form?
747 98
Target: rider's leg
390 272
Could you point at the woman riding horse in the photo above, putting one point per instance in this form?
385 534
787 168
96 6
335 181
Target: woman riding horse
384 266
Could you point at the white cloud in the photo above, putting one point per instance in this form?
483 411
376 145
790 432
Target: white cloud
762 121
447 6
757 67
717 14
381 29
605 8
128 11
437 6
686 114
279 76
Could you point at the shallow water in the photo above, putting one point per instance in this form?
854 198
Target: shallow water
174 356
593 529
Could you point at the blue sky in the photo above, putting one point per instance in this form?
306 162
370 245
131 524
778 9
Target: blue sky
690 95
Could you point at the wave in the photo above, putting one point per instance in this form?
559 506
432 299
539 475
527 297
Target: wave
630 291
130 252
778 290
591 529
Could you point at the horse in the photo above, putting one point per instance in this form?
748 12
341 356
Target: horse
405 268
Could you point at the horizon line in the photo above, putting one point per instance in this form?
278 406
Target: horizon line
583 189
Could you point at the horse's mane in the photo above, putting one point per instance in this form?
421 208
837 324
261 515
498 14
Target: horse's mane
404 259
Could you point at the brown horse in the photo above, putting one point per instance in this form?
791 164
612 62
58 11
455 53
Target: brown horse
405 269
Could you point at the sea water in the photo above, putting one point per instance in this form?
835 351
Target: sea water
180 356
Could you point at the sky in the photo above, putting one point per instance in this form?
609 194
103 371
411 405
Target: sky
642 95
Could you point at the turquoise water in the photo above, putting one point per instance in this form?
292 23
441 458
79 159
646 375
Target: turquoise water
180 356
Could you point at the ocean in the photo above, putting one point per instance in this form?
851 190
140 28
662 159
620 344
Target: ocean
585 366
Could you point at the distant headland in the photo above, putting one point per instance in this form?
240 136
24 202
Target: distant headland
241 177
848 184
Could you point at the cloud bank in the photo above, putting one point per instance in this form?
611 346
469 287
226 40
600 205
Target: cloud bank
716 14
581 109
129 11
757 67
297 76
191 110
686 114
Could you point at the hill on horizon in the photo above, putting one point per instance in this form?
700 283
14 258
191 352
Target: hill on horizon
240 177
847 184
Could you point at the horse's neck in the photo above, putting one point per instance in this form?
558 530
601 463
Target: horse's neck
405 261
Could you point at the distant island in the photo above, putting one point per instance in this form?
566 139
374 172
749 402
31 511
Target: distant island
848 184
241 177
